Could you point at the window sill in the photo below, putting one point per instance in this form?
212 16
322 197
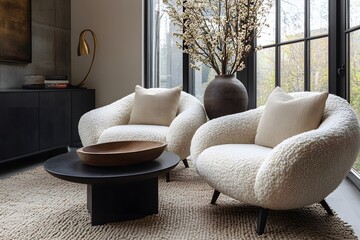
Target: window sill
354 177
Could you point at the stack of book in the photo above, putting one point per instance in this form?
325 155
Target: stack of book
56 81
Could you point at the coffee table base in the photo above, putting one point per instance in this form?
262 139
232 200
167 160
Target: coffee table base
122 201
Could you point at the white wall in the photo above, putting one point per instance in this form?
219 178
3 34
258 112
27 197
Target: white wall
118 67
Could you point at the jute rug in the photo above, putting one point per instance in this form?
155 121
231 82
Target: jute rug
36 205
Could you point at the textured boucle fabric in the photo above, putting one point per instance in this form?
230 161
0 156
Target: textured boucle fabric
94 122
242 160
237 128
134 132
300 171
110 123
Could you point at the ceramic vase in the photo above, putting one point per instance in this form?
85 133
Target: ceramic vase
225 95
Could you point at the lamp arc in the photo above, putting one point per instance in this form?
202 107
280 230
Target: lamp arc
83 49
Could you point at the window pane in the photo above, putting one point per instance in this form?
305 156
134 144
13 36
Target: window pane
267 33
354 13
292 67
355 78
265 71
292 19
319 13
319 65
167 58
202 78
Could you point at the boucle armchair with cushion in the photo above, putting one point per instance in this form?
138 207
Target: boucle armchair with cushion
110 123
299 171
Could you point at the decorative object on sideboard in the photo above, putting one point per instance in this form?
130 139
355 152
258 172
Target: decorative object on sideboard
33 81
37 81
56 81
84 49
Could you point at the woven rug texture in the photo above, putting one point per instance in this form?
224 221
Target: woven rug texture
36 205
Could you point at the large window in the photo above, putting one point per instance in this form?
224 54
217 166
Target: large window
295 52
295 48
166 65
353 58
166 59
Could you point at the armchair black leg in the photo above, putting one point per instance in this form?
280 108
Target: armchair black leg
185 163
326 207
215 197
186 166
262 221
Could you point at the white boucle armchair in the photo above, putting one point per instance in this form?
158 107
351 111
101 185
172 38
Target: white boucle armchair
110 123
298 172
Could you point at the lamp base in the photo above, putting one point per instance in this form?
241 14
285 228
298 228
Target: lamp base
75 87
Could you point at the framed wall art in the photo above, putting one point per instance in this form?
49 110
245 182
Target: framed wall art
15 31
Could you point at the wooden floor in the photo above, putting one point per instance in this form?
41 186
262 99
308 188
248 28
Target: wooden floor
345 200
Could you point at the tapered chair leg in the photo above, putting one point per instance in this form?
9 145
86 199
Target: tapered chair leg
326 207
215 196
186 166
186 163
262 221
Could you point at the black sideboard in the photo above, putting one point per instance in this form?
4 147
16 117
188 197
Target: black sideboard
34 121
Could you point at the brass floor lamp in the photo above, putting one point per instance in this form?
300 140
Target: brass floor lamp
83 49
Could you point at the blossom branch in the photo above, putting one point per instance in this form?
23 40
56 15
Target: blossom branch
218 33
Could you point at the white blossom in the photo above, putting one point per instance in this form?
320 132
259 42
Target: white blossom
218 33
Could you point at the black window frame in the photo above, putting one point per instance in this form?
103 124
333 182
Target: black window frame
307 38
188 73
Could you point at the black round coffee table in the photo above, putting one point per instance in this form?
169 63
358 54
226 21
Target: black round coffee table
115 193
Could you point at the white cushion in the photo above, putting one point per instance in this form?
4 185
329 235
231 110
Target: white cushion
155 108
285 116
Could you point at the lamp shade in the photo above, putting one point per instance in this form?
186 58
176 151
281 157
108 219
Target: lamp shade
83 46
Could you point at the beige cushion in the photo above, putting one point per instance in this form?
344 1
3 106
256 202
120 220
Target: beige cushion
285 116
155 107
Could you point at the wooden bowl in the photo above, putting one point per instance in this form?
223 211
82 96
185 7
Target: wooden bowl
121 153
